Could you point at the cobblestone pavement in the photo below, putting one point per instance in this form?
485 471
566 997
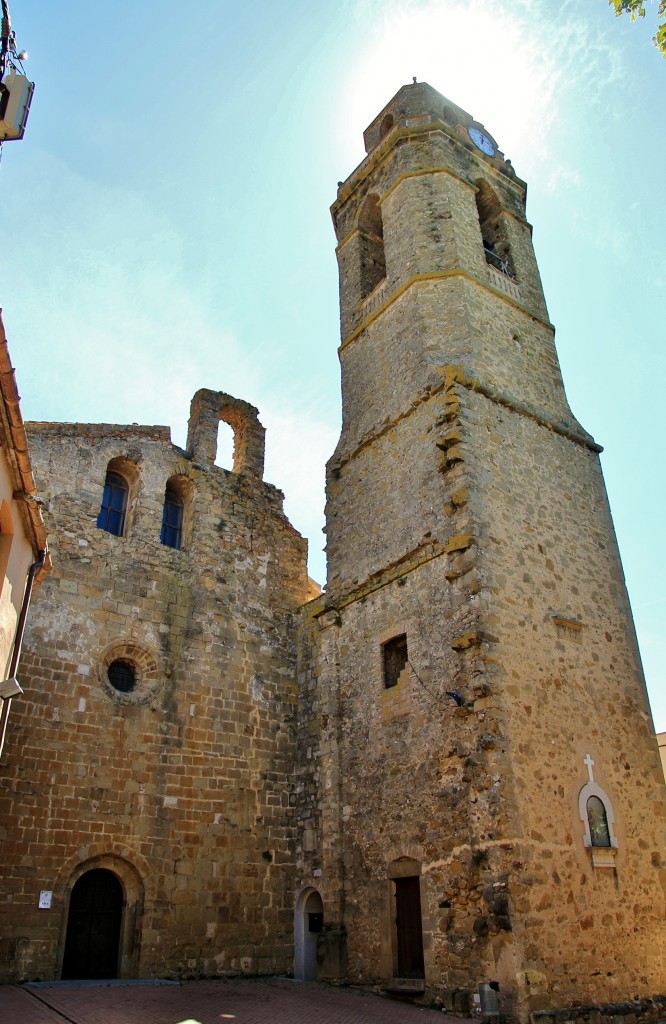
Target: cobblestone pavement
242 1001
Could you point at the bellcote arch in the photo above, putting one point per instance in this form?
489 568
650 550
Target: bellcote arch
206 411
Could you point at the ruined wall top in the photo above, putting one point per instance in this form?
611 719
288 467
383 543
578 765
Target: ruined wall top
206 411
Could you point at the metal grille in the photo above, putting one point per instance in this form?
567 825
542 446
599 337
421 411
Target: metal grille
122 675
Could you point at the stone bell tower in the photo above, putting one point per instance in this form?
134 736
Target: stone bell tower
488 801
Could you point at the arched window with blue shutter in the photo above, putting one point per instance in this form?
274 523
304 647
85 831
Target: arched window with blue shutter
172 519
114 505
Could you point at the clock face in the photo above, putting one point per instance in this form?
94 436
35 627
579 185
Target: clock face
482 141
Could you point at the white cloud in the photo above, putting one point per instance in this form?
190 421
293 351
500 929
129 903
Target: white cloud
561 176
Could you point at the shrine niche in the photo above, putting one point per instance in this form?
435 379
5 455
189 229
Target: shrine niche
596 813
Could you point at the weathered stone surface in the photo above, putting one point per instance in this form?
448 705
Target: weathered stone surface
456 427
273 756
181 787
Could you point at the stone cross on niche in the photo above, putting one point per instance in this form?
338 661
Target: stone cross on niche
590 765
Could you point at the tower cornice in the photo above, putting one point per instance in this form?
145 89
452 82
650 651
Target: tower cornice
439 275
457 374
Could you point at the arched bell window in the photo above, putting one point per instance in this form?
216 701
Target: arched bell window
492 221
114 505
172 519
386 125
373 259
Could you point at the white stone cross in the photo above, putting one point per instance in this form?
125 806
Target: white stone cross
590 765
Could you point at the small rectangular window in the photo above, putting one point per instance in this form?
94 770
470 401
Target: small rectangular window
315 922
395 659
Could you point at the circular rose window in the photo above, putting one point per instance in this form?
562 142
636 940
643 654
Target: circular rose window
129 672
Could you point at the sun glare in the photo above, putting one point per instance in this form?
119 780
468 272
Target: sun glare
484 55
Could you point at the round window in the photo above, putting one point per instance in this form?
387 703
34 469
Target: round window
122 675
129 672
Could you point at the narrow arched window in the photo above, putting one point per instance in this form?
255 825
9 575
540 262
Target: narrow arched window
386 125
114 505
172 519
373 260
496 247
598 821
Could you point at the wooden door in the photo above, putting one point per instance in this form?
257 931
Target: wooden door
408 927
93 926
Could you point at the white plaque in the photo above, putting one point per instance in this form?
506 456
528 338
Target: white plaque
45 899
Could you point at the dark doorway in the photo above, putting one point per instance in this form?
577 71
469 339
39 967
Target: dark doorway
408 927
93 926
313 920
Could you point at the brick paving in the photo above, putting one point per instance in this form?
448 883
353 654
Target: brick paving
237 1001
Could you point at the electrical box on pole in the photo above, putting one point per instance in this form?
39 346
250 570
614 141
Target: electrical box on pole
15 98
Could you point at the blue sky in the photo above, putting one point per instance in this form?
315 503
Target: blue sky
166 221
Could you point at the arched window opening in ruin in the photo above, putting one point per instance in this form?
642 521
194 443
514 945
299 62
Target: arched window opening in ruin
211 444
395 659
171 534
226 446
386 125
598 822
373 259
496 246
114 505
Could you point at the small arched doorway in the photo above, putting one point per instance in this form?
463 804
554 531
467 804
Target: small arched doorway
308 924
92 943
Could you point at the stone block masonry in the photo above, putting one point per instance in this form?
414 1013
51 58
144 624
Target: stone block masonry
182 785
467 520
439 773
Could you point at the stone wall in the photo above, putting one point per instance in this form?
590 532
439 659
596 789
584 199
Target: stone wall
639 1011
412 751
568 677
184 786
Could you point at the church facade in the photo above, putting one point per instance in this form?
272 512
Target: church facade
442 772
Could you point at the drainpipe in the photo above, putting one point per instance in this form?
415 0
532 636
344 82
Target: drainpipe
18 639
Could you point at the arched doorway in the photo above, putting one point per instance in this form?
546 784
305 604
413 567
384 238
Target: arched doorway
92 944
308 923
